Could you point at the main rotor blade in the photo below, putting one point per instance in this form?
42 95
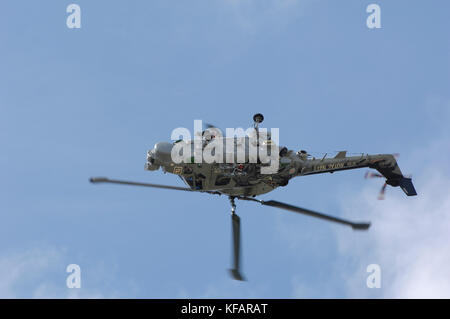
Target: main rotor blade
236 224
96 180
274 203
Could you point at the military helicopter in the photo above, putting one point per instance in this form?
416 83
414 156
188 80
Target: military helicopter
243 179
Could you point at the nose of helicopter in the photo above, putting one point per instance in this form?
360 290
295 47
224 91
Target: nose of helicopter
151 164
159 155
163 151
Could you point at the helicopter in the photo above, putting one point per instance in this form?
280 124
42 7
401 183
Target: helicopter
246 177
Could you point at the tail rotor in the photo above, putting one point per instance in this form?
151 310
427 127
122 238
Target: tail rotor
370 174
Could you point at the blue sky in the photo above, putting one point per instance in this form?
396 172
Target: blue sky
92 101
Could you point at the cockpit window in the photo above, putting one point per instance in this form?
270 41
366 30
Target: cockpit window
189 181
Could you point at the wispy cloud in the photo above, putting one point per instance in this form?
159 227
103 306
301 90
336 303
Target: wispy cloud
252 15
410 237
41 273
17 270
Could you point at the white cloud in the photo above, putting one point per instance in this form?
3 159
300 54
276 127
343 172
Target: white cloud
19 268
41 273
252 15
409 237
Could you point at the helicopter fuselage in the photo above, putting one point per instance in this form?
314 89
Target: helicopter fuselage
246 178
246 166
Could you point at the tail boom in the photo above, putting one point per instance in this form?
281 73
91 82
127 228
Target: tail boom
386 164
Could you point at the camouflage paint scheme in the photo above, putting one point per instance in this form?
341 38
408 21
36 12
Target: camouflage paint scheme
245 178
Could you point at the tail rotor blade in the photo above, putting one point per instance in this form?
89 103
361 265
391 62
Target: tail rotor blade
377 175
382 192
370 174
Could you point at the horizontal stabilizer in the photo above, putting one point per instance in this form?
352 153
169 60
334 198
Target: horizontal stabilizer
407 186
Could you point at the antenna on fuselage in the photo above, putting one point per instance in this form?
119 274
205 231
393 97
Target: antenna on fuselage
257 118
